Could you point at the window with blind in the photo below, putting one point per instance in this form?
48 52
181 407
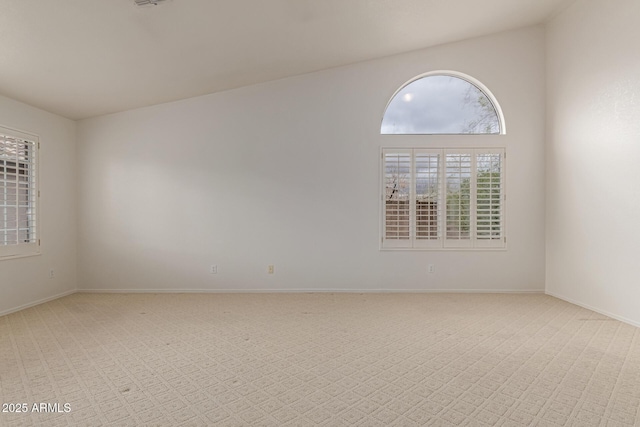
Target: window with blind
443 198
18 193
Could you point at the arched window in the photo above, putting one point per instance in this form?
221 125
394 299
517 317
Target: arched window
443 197
443 103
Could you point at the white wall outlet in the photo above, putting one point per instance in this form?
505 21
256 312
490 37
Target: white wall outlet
52 274
431 268
271 269
213 269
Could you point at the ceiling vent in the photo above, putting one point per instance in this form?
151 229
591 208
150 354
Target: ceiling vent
148 2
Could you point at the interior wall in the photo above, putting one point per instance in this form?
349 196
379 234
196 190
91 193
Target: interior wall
26 281
593 178
286 173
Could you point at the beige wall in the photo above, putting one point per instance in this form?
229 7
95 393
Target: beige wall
287 173
25 281
593 154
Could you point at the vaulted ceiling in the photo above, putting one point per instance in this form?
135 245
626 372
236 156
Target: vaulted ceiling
83 58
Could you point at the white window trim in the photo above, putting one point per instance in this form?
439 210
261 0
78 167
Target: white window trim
22 250
442 244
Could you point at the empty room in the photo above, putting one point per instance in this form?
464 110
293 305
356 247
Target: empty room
332 213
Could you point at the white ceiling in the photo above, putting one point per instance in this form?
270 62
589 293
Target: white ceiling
83 58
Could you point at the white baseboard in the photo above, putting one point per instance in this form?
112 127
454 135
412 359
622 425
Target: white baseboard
40 301
597 310
463 291
322 290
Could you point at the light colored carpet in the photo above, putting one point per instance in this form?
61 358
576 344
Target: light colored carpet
319 359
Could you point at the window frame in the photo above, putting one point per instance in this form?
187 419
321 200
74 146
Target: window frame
19 250
442 243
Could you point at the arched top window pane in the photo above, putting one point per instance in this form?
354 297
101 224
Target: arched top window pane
440 104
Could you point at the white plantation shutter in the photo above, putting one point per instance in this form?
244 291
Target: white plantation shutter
397 195
426 202
489 198
18 193
458 184
437 198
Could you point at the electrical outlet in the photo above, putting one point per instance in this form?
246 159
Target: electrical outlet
213 269
431 268
51 274
271 269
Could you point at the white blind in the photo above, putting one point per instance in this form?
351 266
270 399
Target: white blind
397 170
489 198
443 198
427 196
458 185
18 193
